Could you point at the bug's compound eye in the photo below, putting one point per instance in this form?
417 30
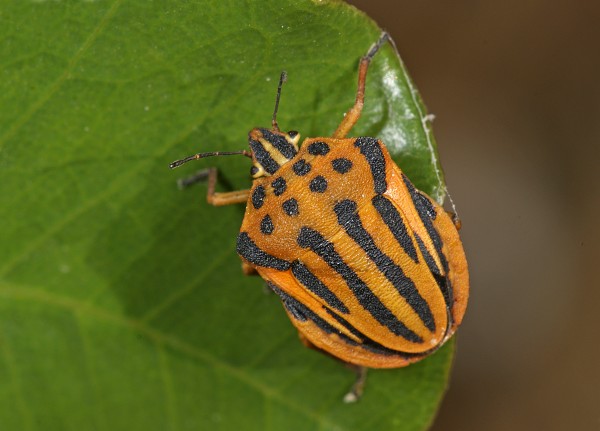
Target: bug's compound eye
292 134
257 171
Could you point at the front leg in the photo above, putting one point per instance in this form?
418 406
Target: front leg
215 198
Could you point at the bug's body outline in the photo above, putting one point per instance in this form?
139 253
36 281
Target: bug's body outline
277 258
369 269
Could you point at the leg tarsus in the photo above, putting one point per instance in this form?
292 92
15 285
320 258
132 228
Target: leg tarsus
383 38
358 387
359 384
454 217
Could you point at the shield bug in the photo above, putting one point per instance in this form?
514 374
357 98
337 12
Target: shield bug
369 269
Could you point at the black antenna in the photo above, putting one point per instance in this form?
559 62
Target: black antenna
282 79
178 163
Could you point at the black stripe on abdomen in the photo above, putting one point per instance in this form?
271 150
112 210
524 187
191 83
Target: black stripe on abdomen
392 219
370 148
253 254
349 219
368 343
442 281
312 283
427 213
302 313
313 240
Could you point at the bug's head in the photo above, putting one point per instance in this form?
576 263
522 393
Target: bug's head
271 149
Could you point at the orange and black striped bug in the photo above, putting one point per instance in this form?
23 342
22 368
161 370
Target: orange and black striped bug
369 269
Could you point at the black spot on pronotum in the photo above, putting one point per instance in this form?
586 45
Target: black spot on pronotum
370 148
258 197
290 207
279 186
349 219
313 240
392 219
301 167
266 225
253 254
318 184
312 283
318 148
341 165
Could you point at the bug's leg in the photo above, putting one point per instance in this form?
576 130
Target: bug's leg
353 114
457 222
248 269
227 198
358 387
215 198
359 384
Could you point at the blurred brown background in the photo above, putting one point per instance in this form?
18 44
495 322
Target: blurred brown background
515 87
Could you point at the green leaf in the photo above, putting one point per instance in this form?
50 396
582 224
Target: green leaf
122 303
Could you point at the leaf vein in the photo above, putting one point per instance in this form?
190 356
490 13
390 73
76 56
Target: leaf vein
52 89
33 294
22 406
171 410
187 289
